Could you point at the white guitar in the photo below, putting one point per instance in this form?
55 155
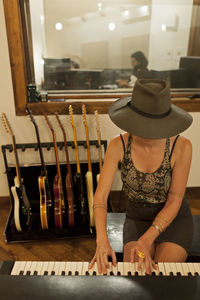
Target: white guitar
89 177
22 209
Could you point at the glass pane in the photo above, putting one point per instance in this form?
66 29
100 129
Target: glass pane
108 44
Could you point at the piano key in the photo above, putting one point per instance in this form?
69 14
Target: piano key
32 267
167 269
141 272
191 268
79 267
44 267
114 269
179 269
173 268
132 268
50 267
126 268
85 268
162 268
120 268
61 268
197 268
27 267
68 268
38 268
185 268
96 269
17 268
73 267
157 271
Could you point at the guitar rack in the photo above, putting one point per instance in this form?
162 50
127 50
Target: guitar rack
35 232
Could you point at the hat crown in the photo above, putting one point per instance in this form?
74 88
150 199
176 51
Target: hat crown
151 96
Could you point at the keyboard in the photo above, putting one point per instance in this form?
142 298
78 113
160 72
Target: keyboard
72 280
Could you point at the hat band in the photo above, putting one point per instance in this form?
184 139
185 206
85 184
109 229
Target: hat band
152 116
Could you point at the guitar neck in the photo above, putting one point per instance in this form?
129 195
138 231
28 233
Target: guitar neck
99 139
76 151
40 151
88 149
56 154
18 173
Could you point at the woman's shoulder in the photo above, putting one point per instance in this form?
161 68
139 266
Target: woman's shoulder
183 147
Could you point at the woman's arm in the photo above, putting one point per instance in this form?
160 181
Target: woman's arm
180 173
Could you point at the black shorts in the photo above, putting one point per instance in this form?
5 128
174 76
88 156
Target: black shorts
139 218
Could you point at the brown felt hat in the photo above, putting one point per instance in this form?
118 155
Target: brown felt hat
149 112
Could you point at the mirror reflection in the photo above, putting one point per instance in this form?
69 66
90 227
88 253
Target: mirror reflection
108 44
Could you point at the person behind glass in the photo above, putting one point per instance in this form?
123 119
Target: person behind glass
155 162
140 70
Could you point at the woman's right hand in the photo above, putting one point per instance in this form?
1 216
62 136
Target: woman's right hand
103 250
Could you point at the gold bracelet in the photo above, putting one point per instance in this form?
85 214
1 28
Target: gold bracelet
175 194
161 226
99 205
157 227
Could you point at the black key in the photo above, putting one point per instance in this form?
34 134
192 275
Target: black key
63 273
21 273
87 273
178 273
28 273
76 273
70 273
45 273
171 274
136 273
53 273
189 274
129 273
196 274
111 273
35 273
118 273
94 273
153 273
160 274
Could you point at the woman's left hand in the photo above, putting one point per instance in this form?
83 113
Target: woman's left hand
142 252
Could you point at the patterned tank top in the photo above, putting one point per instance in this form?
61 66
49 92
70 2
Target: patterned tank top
149 188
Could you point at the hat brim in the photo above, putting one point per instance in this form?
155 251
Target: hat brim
128 120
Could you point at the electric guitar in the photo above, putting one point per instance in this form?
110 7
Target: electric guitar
68 179
89 177
43 183
99 143
59 203
78 177
22 208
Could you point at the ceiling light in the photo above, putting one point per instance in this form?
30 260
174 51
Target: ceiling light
59 26
111 26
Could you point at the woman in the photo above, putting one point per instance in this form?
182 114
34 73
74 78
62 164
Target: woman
155 163
140 70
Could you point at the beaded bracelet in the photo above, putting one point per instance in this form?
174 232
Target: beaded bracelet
161 226
162 218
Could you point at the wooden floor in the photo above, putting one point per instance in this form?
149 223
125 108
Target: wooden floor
76 249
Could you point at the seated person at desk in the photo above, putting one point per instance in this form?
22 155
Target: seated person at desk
155 163
139 63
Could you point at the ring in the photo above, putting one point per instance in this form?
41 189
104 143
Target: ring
141 254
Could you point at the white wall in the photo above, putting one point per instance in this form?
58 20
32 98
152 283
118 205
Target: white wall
24 130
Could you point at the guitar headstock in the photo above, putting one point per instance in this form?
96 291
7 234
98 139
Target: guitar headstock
71 115
48 122
84 115
6 124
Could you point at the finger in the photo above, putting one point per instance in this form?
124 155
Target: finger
105 257
154 265
148 267
114 259
92 262
103 264
99 264
132 255
140 262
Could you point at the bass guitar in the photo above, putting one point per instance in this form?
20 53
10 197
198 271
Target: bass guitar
43 183
89 177
59 203
78 177
99 143
68 179
22 208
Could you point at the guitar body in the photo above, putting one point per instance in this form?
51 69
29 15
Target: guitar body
70 199
90 195
16 208
58 202
44 206
81 200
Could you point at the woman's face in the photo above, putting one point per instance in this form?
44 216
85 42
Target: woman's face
134 62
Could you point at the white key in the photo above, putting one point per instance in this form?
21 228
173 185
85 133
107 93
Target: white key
132 268
126 268
197 268
191 268
50 267
114 269
44 267
121 268
185 269
67 267
156 271
142 271
95 268
15 268
173 269
27 267
21 267
161 268
167 269
179 269
32 267
56 268
79 266
59 268
73 267
39 267
85 268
